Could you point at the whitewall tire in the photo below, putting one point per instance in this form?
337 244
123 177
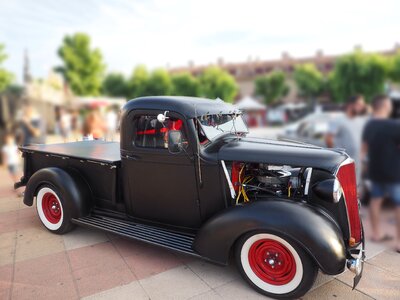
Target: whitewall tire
51 210
275 265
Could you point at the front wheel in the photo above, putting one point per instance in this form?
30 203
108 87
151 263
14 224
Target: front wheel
275 266
51 209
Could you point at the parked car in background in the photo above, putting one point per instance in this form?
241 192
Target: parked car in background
311 129
286 113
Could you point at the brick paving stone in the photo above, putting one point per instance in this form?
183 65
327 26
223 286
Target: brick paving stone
210 295
130 291
9 204
214 275
5 281
146 260
37 242
98 267
238 289
376 282
8 221
335 290
46 277
321 280
177 283
388 260
7 248
82 237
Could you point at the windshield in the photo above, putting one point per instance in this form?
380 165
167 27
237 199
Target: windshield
214 125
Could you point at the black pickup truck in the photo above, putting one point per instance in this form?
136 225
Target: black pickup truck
186 177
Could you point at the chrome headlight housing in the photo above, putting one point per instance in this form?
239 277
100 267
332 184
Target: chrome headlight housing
329 190
337 191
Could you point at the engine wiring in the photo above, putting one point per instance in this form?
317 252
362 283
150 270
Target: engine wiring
254 182
242 190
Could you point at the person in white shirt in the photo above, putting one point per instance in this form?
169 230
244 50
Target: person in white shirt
11 156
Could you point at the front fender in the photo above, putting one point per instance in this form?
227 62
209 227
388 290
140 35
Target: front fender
311 229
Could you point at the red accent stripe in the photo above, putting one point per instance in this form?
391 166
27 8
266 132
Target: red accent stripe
152 131
347 178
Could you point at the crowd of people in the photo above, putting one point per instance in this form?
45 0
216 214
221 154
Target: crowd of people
69 125
372 139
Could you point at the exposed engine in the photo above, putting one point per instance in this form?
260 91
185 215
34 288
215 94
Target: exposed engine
252 181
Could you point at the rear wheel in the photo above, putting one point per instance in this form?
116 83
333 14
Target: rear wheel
274 265
52 211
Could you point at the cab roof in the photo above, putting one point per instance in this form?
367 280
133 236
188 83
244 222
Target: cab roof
189 107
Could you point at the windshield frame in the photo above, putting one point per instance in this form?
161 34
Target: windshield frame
234 130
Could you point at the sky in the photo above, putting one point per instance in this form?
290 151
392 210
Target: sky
170 33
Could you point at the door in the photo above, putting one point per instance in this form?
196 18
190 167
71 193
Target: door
162 185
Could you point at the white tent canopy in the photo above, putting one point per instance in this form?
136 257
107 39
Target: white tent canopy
249 103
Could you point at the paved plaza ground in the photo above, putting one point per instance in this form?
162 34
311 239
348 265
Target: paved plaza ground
35 264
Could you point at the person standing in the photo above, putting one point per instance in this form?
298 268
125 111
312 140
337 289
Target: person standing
381 147
31 126
345 131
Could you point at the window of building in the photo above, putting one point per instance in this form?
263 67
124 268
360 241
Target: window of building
150 133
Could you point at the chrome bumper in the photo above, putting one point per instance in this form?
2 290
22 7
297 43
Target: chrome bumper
356 262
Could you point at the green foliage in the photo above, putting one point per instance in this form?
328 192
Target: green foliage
83 67
114 85
217 83
159 83
394 67
272 86
137 83
5 77
358 73
309 80
185 84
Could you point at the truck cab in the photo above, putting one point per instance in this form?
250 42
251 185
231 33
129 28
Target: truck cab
185 176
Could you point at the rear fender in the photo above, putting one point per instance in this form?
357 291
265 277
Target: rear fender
69 182
311 229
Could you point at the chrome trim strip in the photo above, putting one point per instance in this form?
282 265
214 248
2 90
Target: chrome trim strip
233 193
308 179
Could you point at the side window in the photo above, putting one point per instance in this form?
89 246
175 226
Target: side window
149 133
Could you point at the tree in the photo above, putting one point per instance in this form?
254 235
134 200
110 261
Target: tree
159 83
115 85
394 67
271 87
83 67
309 80
358 73
217 83
137 83
185 84
5 77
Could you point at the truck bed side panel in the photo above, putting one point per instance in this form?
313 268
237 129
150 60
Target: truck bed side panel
102 178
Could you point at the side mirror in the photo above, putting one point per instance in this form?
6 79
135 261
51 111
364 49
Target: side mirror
174 141
162 117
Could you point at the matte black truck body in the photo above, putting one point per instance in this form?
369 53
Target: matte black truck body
189 201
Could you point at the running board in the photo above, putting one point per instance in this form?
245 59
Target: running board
181 242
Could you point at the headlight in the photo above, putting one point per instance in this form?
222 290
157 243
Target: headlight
329 190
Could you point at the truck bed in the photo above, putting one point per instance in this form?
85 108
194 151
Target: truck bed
99 151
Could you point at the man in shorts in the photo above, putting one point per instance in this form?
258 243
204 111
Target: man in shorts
381 144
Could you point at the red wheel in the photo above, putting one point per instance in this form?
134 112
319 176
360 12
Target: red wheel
272 262
51 207
275 266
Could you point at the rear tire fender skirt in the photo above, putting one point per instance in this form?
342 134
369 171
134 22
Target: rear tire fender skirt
313 231
69 182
